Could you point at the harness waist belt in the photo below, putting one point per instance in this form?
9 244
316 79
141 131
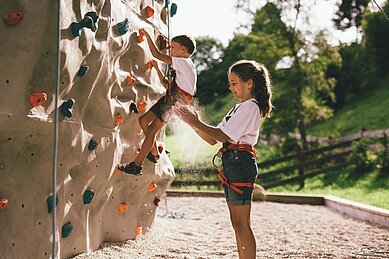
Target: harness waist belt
240 147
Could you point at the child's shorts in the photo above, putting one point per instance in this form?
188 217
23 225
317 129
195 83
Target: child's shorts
241 167
164 107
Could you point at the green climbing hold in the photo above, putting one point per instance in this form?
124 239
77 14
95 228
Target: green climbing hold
92 145
123 27
50 205
66 230
66 108
83 70
88 196
173 9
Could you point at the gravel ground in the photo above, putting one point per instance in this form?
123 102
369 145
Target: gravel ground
196 227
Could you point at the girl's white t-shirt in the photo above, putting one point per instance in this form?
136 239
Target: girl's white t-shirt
186 77
242 123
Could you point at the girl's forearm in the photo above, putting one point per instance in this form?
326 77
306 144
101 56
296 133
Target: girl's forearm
212 132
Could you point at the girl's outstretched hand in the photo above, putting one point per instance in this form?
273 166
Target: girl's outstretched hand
185 114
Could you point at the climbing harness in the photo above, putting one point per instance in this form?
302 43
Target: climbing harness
224 181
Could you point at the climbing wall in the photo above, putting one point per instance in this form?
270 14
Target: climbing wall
106 83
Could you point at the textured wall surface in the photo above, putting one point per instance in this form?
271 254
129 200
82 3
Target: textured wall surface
95 203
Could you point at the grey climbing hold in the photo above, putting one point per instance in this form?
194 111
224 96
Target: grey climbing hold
67 108
88 196
83 70
89 21
92 145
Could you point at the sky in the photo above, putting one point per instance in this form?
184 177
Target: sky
219 18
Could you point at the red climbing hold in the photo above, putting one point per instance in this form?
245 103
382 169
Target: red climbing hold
130 80
13 18
117 171
140 38
149 11
150 64
138 230
3 203
142 105
152 187
37 99
122 208
118 119
160 148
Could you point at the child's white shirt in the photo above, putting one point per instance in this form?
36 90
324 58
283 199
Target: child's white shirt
186 77
241 124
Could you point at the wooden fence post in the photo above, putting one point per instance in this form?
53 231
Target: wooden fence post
300 161
385 164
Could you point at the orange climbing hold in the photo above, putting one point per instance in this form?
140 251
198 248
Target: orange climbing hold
3 203
150 64
122 207
142 105
37 99
140 38
118 119
149 11
152 187
117 171
138 230
130 80
13 18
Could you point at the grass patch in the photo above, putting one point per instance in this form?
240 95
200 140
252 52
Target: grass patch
368 111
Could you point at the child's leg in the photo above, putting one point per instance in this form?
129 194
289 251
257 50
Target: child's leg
149 141
145 120
245 240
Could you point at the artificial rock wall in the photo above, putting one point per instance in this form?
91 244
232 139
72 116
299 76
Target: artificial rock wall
105 78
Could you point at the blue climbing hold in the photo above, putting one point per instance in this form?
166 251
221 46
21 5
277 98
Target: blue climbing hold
49 201
92 145
88 196
123 27
66 230
173 9
67 108
83 70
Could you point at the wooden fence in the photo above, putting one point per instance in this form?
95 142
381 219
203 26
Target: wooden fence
292 168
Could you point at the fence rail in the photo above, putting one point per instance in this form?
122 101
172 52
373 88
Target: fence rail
299 166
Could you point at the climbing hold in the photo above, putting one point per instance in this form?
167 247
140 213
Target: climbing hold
118 119
117 171
138 230
173 9
152 187
162 42
150 64
92 145
13 18
67 108
156 200
134 108
140 38
49 201
149 11
142 105
88 196
93 15
37 99
89 21
130 80
3 203
83 70
122 207
123 27
66 230
160 148
137 153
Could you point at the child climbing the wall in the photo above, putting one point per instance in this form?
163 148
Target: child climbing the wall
249 83
181 87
